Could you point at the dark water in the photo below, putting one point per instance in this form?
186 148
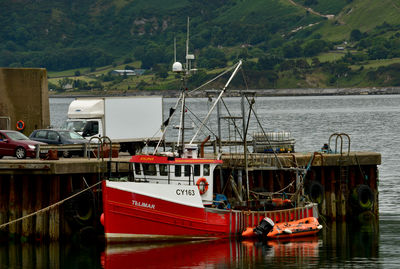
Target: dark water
373 124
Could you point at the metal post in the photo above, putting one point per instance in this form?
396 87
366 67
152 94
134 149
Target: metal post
245 147
219 126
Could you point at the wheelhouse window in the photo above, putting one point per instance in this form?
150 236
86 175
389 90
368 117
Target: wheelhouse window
177 170
137 169
196 170
163 170
206 170
187 170
149 169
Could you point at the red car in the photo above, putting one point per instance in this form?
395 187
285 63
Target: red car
13 143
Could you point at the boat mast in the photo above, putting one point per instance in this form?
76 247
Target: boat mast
186 72
181 135
187 47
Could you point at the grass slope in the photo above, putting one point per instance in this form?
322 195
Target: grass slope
364 15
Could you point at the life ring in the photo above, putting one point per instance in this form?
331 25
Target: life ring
20 125
363 197
316 192
202 184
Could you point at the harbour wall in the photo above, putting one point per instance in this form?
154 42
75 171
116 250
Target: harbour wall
24 97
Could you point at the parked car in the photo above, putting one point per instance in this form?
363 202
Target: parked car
59 137
13 143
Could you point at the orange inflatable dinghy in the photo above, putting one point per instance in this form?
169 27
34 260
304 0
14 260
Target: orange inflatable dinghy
267 228
249 232
302 227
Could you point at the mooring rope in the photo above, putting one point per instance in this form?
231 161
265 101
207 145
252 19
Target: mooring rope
272 193
48 208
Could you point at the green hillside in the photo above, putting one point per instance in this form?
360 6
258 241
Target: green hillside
362 15
296 43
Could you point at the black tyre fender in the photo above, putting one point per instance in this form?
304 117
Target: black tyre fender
315 191
363 197
79 210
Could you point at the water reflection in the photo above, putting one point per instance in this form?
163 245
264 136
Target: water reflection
338 245
195 254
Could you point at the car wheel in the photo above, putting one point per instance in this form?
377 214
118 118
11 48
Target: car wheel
1 156
20 153
66 154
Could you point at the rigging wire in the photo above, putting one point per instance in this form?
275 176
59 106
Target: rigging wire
198 120
215 78
259 122
167 125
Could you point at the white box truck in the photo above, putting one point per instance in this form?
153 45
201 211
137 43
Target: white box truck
129 121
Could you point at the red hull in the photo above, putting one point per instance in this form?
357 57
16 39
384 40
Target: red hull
130 216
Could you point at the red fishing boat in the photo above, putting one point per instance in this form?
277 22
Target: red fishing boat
173 195
173 198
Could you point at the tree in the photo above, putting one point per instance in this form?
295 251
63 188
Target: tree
268 62
355 35
314 47
287 65
378 52
302 64
161 70
212 58
315 62
292 50
64 82
95 84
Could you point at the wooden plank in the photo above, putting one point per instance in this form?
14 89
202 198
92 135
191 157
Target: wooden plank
41 221
28 191
4 199
14 206
54 213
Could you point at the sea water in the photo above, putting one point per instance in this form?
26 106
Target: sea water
373 124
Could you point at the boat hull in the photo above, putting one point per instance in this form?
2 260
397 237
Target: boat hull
144 211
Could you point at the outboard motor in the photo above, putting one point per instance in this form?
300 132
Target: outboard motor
265 226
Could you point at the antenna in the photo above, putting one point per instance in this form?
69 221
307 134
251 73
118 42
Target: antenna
174 49
176 66
187 46
189 57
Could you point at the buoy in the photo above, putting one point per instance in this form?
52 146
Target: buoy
202 184
20 125
102 219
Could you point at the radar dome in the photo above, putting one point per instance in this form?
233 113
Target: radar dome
177 67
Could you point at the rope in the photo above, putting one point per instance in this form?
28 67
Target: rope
47 208
359 167
272 193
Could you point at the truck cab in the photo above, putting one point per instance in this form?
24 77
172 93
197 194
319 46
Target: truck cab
86 128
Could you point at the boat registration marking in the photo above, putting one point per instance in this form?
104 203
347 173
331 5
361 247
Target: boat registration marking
185 192
142 204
